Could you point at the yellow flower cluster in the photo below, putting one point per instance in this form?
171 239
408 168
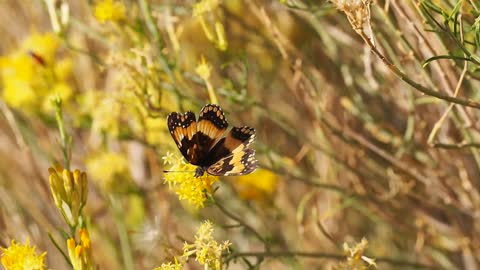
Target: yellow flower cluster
20 257
180 177
128 109
32 74
69 191
207 251
109 10
171 266
81 253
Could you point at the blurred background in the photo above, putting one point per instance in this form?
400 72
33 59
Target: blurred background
365 112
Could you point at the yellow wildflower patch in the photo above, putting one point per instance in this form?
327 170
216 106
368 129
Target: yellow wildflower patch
180 178
32 74
207 250
20 257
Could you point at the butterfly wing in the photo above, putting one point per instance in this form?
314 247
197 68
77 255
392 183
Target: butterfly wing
183 128
211 125
232 155
240 163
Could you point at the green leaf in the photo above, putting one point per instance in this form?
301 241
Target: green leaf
437 57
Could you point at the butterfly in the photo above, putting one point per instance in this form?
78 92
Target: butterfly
202 142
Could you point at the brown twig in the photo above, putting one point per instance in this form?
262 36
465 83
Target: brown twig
425 90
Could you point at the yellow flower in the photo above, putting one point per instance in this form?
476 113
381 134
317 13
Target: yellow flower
109 10
80 252
20 257
156 131
110 169
203 69
69 191
63 69
43 45
19 94
207 251
30 75
256 186
171 266
355 258
181 179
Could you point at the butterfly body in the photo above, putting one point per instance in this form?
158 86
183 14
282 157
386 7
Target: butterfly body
202 142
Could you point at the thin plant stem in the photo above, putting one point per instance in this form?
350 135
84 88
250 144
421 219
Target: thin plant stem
324 255
66 140
404 77
123 234
240 221
57 246
440 122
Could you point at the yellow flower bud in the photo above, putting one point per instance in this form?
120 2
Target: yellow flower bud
67 181
69 193
80 253
85 238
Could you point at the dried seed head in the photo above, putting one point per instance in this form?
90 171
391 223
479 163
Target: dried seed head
358 14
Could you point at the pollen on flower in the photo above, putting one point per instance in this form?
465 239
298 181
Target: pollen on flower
19 257
207 250
180 178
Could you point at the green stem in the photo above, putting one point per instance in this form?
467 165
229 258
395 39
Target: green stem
123 234
57 246
64 137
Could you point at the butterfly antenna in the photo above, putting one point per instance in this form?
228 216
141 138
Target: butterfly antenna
167 171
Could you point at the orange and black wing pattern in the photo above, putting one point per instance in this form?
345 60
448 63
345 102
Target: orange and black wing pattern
183 128
202 143
233 155
211 126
